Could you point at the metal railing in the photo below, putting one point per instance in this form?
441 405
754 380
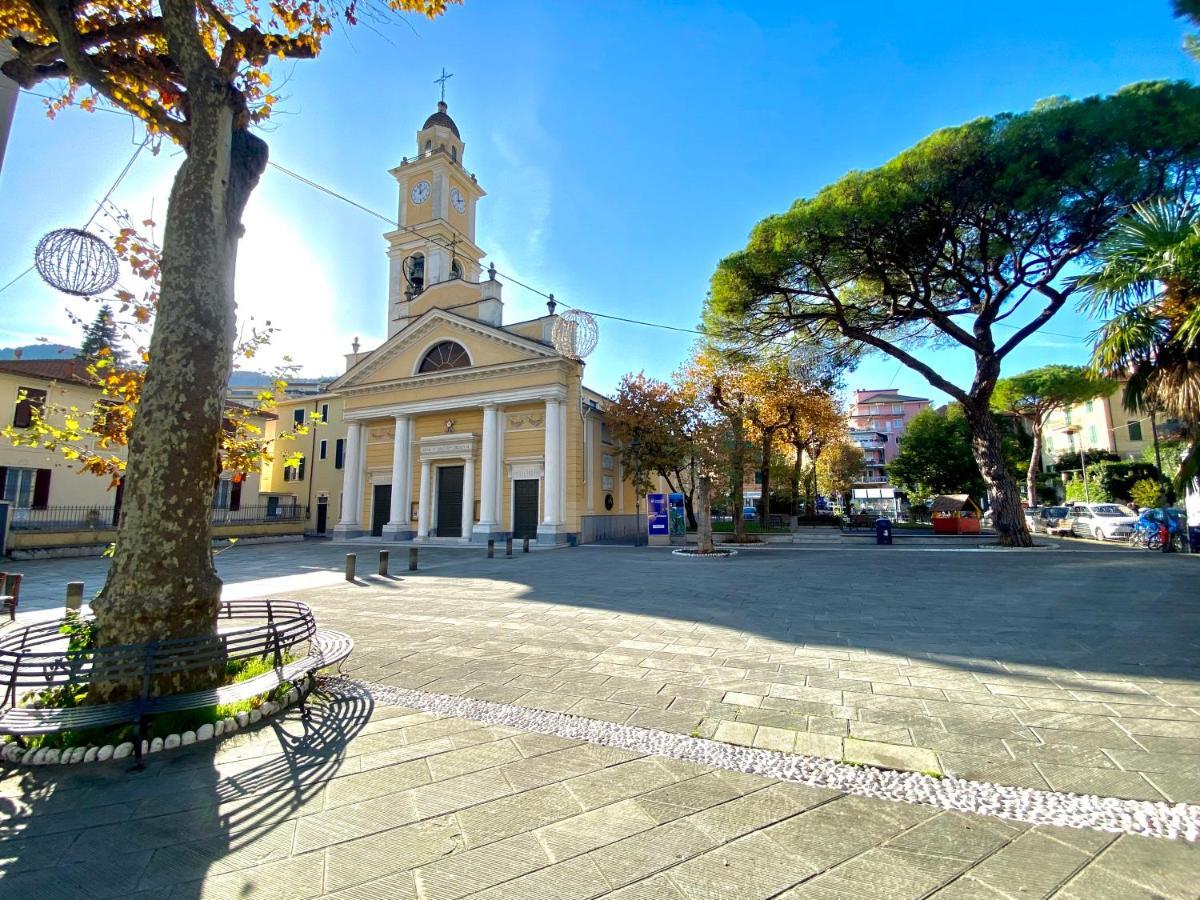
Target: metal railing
621 529
259 513
96 518
63 518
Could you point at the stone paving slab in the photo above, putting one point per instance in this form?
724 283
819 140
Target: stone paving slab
286 811
1017 683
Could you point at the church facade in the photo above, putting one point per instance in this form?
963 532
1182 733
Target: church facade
458 427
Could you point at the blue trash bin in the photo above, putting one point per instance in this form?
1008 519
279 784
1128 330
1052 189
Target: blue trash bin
883 530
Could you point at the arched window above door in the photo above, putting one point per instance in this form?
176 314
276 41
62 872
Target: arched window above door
444 355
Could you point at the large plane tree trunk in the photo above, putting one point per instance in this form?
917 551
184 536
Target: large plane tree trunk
163 583
1008 517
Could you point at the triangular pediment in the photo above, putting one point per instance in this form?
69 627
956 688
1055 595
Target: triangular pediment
399 357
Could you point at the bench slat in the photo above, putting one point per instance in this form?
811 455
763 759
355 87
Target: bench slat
326 648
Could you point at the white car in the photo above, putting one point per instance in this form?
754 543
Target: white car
1102 521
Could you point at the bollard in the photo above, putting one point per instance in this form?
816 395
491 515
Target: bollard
10 589
74 595
412 559
383 562
508 547
491 548
351 562
525 545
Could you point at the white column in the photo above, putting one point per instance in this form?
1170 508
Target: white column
423 502
468 498
401 476
553 444
562 463
491 452
500 471
351 478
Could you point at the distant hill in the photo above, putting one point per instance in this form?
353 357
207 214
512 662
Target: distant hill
39 351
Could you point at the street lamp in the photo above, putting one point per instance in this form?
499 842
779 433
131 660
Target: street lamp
1071 431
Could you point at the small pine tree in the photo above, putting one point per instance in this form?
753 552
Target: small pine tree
102 334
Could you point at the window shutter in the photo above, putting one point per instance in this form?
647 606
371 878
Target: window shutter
300 474
339 453
41 489
235 496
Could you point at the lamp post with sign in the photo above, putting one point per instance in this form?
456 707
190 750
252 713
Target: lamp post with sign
1071 431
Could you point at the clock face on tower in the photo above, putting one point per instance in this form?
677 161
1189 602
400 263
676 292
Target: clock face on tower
456 198
420 192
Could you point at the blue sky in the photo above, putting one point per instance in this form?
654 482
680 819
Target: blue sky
625 148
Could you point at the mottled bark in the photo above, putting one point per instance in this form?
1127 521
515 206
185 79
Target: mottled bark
704 539
797 469
162 583
764 466
738 465
1007 515
1035 466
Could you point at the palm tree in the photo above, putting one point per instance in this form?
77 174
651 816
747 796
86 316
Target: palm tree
1147 284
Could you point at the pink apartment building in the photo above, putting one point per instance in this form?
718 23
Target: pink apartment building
877 421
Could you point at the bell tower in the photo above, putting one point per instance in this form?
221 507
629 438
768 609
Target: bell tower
434 250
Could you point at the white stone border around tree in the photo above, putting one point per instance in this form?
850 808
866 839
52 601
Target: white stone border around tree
718 553
12 752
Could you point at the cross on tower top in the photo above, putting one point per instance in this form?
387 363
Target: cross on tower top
442 81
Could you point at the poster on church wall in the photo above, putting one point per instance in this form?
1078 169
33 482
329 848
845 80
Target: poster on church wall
656 515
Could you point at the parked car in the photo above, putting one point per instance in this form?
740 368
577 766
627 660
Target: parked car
1049 519
1102 521
749 513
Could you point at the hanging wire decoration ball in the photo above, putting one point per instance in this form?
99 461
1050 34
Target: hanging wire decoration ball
76 262
575 334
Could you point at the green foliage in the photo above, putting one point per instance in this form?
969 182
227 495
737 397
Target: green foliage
1171 453
1189 10
1094 492
838 467
935 456
1110 481
82 636
940 244
1146 282
1071 459
1035 394
102 340
1118 478
1148 492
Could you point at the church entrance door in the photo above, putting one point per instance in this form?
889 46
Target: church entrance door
525 508
449 501
381 508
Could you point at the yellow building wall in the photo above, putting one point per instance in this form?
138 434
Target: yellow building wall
1103 424
321 478
68 485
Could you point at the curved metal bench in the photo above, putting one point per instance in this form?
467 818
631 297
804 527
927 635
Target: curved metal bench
25 665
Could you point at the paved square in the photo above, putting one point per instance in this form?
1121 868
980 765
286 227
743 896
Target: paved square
1075 671
387 802
1071 670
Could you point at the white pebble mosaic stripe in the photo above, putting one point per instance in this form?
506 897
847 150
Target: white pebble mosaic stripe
1029 805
